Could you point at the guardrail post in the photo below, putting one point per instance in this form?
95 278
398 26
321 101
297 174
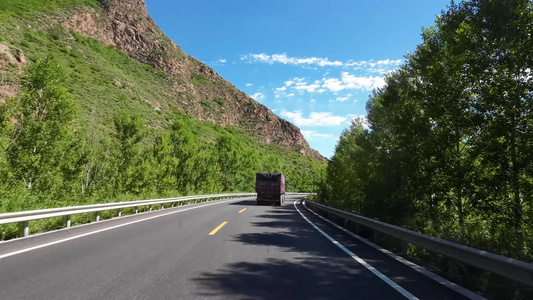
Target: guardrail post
376 236
172 205
405 247
150 206
26 225
68 221
136 209
162 206
454 270
345 224
119 212
97 214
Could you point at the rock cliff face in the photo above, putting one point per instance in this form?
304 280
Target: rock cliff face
195 88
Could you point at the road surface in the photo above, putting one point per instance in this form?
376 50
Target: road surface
231 249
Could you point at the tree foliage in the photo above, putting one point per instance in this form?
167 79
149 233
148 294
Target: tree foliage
40 131
48 160
448 150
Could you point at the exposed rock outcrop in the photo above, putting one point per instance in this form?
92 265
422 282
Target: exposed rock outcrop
197 89
9 64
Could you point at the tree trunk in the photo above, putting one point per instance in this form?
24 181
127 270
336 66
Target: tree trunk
459 184
517 203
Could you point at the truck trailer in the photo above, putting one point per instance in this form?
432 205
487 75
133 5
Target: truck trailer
270 188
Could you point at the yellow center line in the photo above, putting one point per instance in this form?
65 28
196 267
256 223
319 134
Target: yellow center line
240 211
218 228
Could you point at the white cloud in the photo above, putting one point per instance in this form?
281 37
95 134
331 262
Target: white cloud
345 82
290 82
363 83
311 135
353 82
286 60
373 64
370 66
390 62
258 96
303 86
314 119
342 99
222 60
333 84
249 84
313 100
348 81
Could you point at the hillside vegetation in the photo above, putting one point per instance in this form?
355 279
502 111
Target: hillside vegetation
82 122
84 37
449 149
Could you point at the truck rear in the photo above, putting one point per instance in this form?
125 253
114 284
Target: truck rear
270 188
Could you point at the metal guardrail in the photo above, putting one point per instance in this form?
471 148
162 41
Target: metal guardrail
504 266
25 216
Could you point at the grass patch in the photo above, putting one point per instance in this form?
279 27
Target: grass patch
219 101
29 8
201 80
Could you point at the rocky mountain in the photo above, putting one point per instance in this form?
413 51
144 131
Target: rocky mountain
191 86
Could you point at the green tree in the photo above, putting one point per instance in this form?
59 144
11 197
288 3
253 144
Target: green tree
185 150
41 131
165 163
448 150
347 185
129 131
230 161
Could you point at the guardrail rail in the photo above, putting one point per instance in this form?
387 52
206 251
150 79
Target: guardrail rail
25 217
504 266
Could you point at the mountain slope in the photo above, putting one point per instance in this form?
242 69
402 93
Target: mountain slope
177 80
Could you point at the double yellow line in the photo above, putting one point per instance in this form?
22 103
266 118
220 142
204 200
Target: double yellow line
222 225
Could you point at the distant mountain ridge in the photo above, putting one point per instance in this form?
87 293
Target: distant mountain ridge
191 86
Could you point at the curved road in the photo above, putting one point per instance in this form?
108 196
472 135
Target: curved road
262 252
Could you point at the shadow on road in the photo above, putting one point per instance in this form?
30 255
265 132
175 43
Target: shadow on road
308 278
313 268
284 228
248 202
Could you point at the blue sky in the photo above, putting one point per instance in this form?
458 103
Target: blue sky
314 63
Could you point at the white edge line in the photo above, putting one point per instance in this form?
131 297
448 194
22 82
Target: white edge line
455 287
380 275
102 221
106 229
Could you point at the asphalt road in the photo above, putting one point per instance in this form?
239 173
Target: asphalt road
262 252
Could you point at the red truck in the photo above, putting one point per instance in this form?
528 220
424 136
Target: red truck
270 188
